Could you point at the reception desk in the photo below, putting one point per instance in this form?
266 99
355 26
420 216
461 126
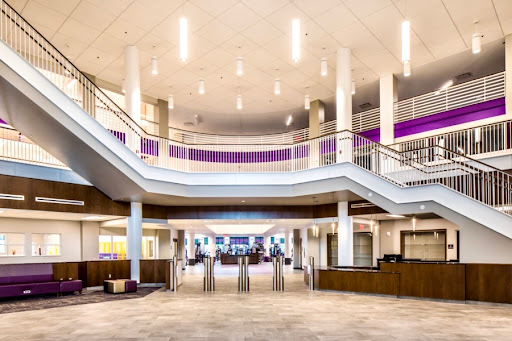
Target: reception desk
225 258
443 280
357 280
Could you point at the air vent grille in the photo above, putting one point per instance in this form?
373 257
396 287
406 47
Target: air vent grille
365 105
362 204
11 196
463 76
59 201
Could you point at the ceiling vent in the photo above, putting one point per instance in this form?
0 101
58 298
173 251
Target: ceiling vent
362 205
365 105
59 201
463 76
11 196
188 124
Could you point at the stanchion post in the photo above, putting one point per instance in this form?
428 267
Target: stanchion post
311 273
246 272
240 273
274 278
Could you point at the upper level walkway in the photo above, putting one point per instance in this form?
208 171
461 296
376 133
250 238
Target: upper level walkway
97 140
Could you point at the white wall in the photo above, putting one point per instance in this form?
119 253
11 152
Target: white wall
391 244
70 239
90 240
479 244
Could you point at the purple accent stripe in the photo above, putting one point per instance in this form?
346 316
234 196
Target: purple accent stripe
149 147
3 122
120 136
450 118
475 112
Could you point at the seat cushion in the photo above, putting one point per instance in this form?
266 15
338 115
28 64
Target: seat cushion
26 289
114 286
130 285
70 286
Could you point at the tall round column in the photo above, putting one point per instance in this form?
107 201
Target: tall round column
343 90
134 239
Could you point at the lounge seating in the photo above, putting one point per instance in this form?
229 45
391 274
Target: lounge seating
32 279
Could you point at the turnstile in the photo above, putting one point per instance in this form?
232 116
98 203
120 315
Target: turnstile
243 273
278 278
173 274
209 278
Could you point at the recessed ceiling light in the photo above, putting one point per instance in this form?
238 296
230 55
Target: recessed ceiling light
395 216
1 211
243 200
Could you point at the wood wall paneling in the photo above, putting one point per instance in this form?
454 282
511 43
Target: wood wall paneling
153 270
65 271
382 283
95 202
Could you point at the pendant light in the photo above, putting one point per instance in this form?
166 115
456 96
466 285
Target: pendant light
123 86
295 40
289 120
183 39
323 67
476 41
170 102
353 87
239 66
239 100
277 86
201 86
154 66
406 47
307 100
414 223
333 225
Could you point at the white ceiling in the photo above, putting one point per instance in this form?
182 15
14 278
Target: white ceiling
94 33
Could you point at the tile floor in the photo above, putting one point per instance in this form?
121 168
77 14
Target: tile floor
296 314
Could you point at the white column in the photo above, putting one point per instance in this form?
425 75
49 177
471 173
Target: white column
508 75
288 235
343 90
345 236
388 96
191 247
267 246
134 239
132 79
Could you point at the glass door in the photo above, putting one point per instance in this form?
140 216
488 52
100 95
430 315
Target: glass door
332 249
363 247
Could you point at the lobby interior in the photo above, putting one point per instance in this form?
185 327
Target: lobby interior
256 169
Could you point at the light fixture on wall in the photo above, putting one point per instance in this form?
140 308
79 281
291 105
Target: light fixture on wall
323 67
183 39
414 223
353 87
170 102
201 86
296 40
307 101
277 86
406 47
289 120
476 41
239 66
154 66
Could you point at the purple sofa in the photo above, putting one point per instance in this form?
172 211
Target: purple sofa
28 279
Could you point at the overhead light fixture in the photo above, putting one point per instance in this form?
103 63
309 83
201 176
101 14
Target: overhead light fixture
154 66
183 39
333 225
444 86
123 86
476 41
306 102
414 223
406 47
353 87
323 67
277 86
2 212
93 217
395 216
201 86
295 40
239 66
289 120
239 101
170 102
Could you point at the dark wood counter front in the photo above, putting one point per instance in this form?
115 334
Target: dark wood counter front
353 280
489 283
152 270
430 280
254 258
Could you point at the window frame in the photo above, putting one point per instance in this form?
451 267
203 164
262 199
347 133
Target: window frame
45 244
8 244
